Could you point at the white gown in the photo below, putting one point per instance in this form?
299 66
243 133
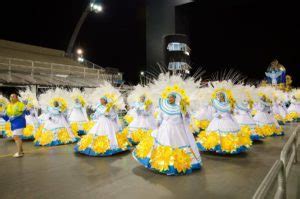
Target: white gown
280 111
294 111
244 118
142 123
55 130
2 126
173 134
32 124
78 119
106 128
223 134
265 119
143 118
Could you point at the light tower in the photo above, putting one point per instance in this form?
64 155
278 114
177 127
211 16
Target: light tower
91 7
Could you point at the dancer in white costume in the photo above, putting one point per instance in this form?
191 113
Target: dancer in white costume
279 109
4 126
224 135
77 115
105 138
244 96
32 124
143 121
202 117
171 149
264 116
294 108
55 130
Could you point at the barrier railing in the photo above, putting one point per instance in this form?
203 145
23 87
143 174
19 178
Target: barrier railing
280 170
36 69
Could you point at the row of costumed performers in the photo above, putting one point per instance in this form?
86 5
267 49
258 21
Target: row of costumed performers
170 121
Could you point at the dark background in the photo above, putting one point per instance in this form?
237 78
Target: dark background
246 35
113 38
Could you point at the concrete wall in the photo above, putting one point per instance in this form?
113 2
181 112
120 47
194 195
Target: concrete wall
160 19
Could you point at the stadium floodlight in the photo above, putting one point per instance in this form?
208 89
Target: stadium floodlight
91 7
79 51
96 7
80 59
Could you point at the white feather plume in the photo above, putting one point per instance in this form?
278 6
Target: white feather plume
137 92
165 79
104 89
29 96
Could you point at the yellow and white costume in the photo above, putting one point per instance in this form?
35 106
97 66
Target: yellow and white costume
106 137
171 149
224 135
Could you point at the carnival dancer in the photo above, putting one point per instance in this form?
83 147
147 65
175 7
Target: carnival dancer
15 114
264 116
77 115
203 116
294 108
32 123
224 135
4 126
143 122
106 137
279 109
244 96
171 149
55 130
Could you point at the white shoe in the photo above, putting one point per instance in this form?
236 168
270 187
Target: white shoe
18 155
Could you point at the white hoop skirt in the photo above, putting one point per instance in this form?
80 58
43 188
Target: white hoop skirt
224 136
171 149
104 139
54 131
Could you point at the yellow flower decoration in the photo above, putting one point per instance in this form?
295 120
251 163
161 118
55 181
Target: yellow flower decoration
293 115
182 161
144 147
88 125
259 131
139 134
85 142
64 136
101 144
229 142
62 102
161 158
28 131
148 103
122 140
200 124
209 141
128 118
244 137
185 100
39 132
4 103
46 138
74 128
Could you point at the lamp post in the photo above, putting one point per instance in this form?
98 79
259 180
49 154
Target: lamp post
142 74
91 7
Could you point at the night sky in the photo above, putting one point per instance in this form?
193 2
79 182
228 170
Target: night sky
113 38
246 36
